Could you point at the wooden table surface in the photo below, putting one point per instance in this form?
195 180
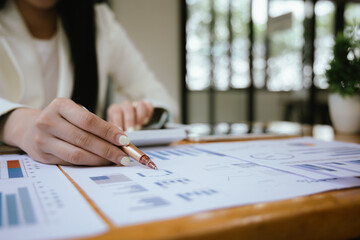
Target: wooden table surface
328 215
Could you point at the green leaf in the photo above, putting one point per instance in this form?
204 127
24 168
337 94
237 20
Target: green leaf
343 73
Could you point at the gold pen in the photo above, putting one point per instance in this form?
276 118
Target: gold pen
135 153
138 155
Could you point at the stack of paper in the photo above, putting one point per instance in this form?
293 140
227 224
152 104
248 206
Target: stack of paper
38 201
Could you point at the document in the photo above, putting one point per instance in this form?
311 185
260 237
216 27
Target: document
307 157
37 201
190 179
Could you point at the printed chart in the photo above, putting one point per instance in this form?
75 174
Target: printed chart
150 194
302 156
191 179
38 202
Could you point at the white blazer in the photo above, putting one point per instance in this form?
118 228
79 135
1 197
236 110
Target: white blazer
21 78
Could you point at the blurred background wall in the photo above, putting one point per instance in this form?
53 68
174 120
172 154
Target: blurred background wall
154 28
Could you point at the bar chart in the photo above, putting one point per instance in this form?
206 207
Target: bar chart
178 152
172 182
143 203
105 179
38 202
194 195
17 208
14 169
11 169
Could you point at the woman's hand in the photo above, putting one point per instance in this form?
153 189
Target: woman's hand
130 116
65 133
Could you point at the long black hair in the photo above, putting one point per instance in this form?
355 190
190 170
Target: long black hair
78 21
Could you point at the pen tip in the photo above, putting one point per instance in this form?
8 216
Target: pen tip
153 166
147 161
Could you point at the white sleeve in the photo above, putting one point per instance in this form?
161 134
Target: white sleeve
7 106
127 67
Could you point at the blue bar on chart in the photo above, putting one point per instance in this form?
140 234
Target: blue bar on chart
330 172
14 169
190 196
184 152
12 211
357 162
194 151
343 166
167 183
110 179
26 205
154 155
174 153
165 154
149 203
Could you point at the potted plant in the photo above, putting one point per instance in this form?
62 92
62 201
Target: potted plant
343 77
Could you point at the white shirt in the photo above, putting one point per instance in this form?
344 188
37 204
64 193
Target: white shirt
49 59
21 74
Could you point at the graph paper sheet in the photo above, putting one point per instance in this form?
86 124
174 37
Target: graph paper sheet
37 201
191 179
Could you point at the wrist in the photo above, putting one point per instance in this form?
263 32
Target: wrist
3 122
14 125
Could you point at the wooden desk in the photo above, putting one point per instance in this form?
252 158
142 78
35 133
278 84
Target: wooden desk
329 215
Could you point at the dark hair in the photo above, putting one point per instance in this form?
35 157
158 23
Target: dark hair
78 20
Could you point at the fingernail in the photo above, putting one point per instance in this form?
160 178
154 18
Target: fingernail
146 120
124 140
84 108
125 161
130 129
121 129
137 127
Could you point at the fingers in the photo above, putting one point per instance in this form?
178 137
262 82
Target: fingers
130 115
89 122
90 143
115 116
75 155
149 110
143 113
65 133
